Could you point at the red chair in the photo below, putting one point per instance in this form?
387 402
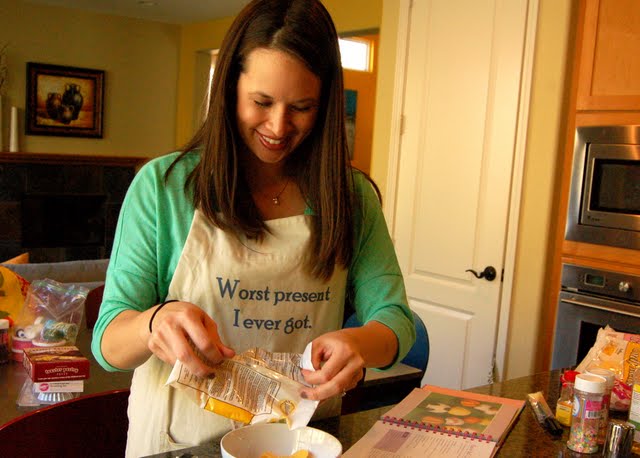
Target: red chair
92 305
94 426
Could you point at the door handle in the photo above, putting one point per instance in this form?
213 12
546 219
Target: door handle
489 273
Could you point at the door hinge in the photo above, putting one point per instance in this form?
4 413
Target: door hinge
491 376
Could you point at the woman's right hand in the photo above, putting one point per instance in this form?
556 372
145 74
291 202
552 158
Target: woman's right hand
182 330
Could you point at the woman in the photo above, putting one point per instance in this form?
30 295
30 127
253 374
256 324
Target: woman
257 232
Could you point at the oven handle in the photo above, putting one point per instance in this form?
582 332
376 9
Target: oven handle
619 308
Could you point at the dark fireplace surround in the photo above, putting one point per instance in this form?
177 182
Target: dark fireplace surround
61 207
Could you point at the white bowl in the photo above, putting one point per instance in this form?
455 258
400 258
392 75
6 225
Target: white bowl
254 440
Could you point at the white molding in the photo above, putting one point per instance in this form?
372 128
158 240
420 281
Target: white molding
402 40
516 188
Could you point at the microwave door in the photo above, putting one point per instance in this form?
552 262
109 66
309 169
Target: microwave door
603 206
611 187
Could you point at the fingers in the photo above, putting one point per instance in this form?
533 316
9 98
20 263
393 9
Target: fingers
338 385
184 331
340 366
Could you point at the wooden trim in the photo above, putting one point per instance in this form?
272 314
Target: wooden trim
587 100
588 28
71 159
601 255
601 264
607 118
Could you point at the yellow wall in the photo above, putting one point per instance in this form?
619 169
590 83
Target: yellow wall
140 60
365 84
354 15
544 143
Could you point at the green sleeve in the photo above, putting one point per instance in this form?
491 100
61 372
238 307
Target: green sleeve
153 225
374 276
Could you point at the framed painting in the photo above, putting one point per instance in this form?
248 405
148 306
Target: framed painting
351 104
64 101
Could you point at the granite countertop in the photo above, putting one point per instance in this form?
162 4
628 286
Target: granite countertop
526 439
13 376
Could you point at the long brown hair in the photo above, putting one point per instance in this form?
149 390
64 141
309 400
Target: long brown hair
320 165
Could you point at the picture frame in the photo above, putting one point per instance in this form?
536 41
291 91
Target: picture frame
64 101
351 105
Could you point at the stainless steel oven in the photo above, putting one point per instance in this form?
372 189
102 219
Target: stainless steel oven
589 300
604 202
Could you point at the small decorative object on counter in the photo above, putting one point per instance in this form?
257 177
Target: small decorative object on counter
588 404
543 413
610 379
634 410
4 341
565 401
48 364
619 439
18 344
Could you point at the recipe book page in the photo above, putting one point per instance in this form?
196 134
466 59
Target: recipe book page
440 422
385 440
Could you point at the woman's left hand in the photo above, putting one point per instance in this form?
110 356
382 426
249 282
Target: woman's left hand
339 365
339 358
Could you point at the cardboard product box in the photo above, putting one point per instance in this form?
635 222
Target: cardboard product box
61 386
44 364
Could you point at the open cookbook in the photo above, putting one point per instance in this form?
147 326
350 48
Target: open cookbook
440 422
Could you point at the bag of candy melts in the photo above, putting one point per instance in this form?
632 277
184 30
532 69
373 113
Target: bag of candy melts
255 386
51 314
620 353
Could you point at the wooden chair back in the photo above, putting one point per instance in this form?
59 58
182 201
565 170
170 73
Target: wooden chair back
94 425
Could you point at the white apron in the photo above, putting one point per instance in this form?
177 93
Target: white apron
259 297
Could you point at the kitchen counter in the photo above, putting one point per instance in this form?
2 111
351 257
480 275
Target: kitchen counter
13 376
526 439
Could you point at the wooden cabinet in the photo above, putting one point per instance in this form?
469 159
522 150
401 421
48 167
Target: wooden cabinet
609 76
604 90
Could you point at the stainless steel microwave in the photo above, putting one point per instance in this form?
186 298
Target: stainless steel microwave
604 199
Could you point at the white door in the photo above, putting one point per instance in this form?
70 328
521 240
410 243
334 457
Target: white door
461 107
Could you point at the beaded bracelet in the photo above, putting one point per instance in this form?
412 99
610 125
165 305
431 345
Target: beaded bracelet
157 310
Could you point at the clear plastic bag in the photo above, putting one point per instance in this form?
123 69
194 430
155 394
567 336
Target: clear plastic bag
617 352
52 313
253 387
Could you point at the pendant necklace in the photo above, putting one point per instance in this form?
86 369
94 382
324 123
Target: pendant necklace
276 198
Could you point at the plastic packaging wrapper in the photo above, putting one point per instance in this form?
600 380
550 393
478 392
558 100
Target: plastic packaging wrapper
620 353
31 396
51 314
253 387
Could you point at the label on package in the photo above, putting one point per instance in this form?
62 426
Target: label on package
64 386
45 364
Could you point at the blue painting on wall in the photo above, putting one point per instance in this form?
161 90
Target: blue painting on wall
351 102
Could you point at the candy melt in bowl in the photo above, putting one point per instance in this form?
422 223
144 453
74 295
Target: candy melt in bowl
276 439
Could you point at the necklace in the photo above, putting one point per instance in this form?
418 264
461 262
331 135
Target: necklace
276 199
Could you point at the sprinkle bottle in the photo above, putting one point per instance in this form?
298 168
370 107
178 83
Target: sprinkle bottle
588 404
610 379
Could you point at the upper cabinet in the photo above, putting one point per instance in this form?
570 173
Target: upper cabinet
609 58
